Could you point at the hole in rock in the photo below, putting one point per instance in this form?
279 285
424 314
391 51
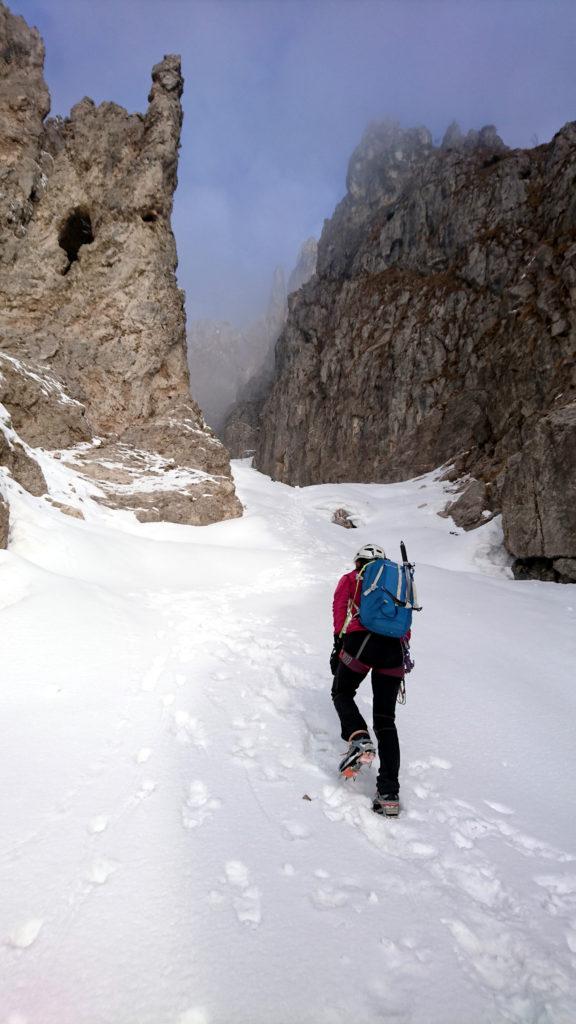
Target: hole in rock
150 216
492 160
75 232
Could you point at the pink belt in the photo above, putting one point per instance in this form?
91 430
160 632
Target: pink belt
358 666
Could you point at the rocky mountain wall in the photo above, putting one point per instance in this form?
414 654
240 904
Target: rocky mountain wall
441 327
88 290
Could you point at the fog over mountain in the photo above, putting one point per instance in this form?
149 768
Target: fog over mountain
231 364
278 93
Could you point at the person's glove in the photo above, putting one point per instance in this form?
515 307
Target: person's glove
334 657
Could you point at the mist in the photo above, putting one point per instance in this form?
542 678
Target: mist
278 93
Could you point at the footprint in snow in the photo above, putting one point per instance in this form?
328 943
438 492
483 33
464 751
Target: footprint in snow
247 901
295 830
346 891
393 992
571 937
25 934
98 824
499 808
271 774
327 898
404 956
189 730
146 789
198 806
516 973
194 1016
529 846
476 879
100 870
245 748
559 895
152 676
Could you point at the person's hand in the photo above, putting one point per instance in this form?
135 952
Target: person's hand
335 656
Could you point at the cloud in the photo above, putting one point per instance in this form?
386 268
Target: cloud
278 93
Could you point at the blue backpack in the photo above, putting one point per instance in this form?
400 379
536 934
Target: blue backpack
388 597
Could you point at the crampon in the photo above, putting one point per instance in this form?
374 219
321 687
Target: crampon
361 752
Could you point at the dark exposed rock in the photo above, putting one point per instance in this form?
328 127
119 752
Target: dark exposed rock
152 486
566 569
67 510
40 410
4 522
441 321
24 469
24 103
242 428
551 570
472 508
88 291
343 518
539 496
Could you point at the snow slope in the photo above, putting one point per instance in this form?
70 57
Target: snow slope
176 846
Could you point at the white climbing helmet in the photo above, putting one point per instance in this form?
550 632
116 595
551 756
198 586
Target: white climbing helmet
370 551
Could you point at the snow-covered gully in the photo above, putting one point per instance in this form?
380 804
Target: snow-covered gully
176 845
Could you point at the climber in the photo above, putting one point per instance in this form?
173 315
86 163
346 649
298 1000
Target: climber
357 651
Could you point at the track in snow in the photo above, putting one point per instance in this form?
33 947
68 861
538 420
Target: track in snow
190 856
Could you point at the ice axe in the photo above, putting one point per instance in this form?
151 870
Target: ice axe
409 574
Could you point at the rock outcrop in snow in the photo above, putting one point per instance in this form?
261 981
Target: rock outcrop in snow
88 292
440 327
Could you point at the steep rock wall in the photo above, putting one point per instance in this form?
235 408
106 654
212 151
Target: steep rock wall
440 325
87 271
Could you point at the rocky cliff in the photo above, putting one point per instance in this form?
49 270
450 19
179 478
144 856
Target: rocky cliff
440 327
88 292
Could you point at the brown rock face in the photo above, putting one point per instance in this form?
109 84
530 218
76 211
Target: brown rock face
40 411
88 289
242 428
4 522
24 103
440 323
539 496
472 508
21 467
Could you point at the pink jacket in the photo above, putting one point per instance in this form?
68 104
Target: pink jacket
343 597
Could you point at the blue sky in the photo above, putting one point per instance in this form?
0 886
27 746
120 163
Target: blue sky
278 93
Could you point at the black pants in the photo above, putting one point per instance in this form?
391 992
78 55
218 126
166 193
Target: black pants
381 652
